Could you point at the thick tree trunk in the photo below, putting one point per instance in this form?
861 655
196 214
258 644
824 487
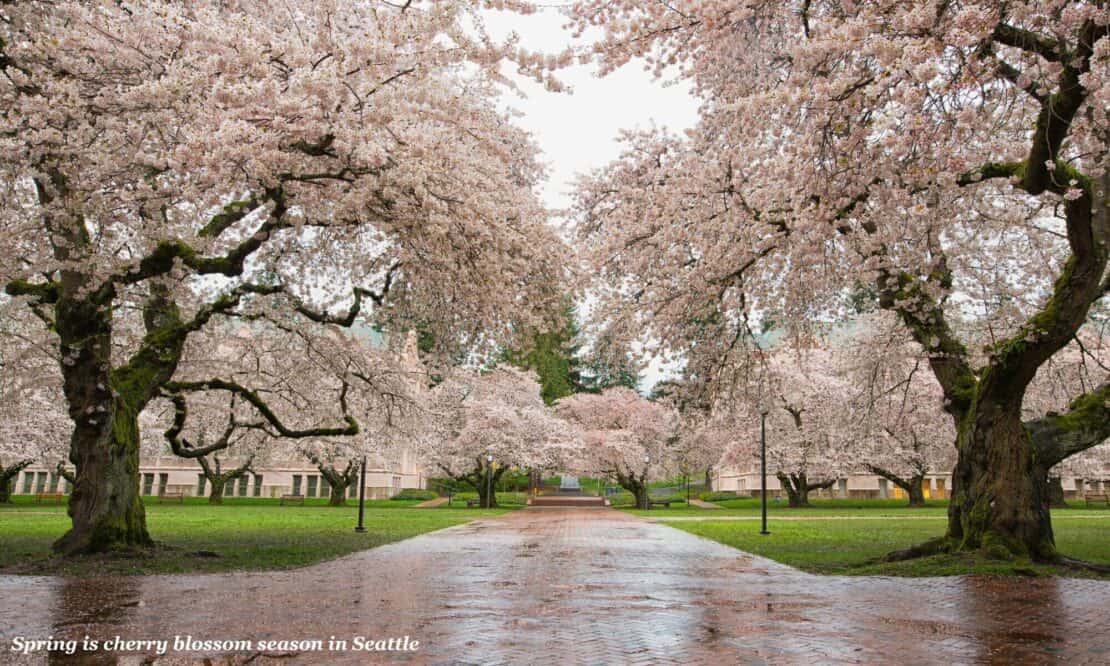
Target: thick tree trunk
487 496
708 479
915 491
1000 495
911 486
643 498
797 491
1056 493
216 494
104 505
338 496
7 479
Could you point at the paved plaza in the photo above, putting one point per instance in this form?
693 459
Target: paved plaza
577 586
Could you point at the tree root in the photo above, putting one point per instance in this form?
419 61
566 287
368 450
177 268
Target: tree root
931 547
1074 563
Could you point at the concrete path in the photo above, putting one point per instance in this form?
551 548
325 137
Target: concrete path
575 586
701 504
428 504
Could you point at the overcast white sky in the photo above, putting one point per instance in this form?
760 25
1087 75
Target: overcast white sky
578 131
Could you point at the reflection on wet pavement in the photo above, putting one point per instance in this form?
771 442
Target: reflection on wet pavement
578 586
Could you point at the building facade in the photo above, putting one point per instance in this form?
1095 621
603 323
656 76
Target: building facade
172 475
870 486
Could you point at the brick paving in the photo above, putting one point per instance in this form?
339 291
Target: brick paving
578 586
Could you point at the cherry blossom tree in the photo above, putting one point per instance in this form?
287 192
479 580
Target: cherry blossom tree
948 157
33 422
484 423
809 430
295 368
166 166
902 432
1083 364
625 436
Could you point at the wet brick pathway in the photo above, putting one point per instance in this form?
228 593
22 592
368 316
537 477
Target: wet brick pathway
578 586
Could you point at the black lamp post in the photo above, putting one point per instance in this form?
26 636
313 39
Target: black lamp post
361 496
763 466
489 480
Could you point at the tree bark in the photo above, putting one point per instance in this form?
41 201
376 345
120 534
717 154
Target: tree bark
912 486
708 479
338 495
219 479
798 487
637 485
1056 493
1000 498
104 506
7 478
216 492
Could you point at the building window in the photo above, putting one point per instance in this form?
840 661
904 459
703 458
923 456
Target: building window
312 485
296 484
201 481
163 480
258 485
325 487
28 479
54 482
243 486
148 484
40 483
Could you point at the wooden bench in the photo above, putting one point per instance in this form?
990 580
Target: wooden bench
56 496
473 502
1097 497
291 498
664 503
178 495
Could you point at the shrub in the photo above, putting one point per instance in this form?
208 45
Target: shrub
414 494
718 495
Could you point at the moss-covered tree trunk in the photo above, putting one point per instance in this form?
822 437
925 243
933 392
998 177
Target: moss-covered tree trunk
105 507
1056 493
1000 495
7 479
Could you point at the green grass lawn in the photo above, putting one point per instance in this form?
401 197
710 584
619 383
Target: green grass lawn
244 533
847 536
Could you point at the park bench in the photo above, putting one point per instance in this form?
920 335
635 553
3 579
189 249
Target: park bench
1097 497
176 495
665 503
473 502
291 498
56 496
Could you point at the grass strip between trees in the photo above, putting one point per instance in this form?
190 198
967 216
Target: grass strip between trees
242 534
851 545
